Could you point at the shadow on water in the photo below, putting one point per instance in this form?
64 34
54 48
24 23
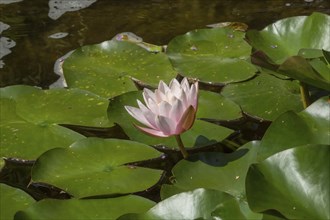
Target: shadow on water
36 33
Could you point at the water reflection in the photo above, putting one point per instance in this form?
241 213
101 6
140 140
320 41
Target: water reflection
9 1
41 40
5 44
58 7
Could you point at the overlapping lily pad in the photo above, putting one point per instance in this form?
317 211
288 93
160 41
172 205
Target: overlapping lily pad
28 141
286 37
224 172
93 167
295 182
265 96
85 209
291 129
198 204
106 68
215 106
202 133
212 55
13 200
58 105
314 72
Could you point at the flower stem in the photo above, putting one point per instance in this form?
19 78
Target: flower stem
181 146
304 95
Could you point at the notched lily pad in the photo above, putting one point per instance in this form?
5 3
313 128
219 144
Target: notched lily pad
106 68
291 129
265 96
13 200
94 167
218 55
294 182
85 208
288 36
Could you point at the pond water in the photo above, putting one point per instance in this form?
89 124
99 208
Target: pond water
35 33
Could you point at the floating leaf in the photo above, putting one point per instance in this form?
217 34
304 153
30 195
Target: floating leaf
202 133
314 73
265 96
215 106
291 129
106 68
294 182
28 141
197 204
228 176
212 55
85 208
286 37
13 200
93 166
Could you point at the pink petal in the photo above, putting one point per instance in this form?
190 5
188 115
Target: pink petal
160 96
185 84
193 95
148 114
186 121
164 108
177 110
137 114
153 106
148 94
166 125
175 86
151 132
163 87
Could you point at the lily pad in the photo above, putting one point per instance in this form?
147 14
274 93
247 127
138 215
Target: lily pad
315 72
85 209
105 69
13 200
218 55
94 166
69 106
291 129
286 37
28 141
215 106
228 176
294 182
265 96
198 204
202 133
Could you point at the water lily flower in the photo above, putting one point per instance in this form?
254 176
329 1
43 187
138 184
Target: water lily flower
170 110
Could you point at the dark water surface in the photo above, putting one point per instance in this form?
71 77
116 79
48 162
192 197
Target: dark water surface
34 33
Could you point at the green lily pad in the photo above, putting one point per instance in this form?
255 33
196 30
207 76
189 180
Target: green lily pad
212 55
15 91
105 69
13 200
85 209
265 96
23 137
202 133
294 182
28 141
286 37
315 72
228 176
291 129
66 106
198 204
94 166
215 106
